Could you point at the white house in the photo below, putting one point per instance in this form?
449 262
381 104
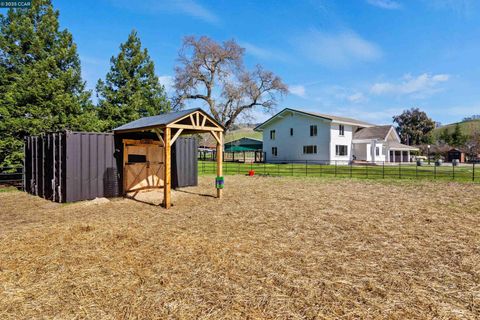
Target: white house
295 135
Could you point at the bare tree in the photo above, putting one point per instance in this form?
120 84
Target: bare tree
214 73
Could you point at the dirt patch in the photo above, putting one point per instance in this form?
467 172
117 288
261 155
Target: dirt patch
271 248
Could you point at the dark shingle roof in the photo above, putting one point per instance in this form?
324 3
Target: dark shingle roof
160 120
377 132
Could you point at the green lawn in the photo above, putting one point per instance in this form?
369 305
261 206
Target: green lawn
403 171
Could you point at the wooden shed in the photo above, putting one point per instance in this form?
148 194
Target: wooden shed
156 173
456 154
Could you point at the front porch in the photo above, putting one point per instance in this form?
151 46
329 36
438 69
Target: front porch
398 156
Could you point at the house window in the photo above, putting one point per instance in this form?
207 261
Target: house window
377 151
272 134
313 131
291 131
341 130
309 149
341 150
274 151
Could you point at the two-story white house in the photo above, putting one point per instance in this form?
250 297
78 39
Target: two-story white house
294 135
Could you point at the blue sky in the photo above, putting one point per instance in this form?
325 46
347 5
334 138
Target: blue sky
368 59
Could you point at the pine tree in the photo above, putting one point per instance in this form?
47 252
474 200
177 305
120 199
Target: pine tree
41 88
445 136
458 139
131 89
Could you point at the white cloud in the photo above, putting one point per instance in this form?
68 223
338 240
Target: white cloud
196 10
337 49
357 97
421 86
297 90
262 53
385 4
188 7
167 82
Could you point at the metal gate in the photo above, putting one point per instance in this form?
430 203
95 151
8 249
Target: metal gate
143 165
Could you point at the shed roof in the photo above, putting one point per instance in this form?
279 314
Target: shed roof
377 132
159 120
245 140
393 145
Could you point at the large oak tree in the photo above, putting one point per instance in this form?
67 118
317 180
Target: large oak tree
414 126
214 73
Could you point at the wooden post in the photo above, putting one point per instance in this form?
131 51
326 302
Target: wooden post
219 160
167 177
125 160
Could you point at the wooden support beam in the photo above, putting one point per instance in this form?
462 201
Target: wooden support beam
159 135
193 120
214 134
177 134
203 121
197 114
187 126
219 160
167 177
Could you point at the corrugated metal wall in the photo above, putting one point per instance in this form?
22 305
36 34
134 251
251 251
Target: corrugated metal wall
71 166
74 166
91 166
184 163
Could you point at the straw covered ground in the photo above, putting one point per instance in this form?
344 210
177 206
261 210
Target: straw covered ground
272 248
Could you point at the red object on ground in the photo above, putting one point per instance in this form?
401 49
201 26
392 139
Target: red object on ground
251 173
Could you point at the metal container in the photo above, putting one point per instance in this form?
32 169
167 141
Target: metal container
71 166
74 166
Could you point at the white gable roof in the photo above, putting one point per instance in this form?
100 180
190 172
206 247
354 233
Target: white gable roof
332 118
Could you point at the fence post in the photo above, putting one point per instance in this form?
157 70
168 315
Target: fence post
335 168
383 170
306 168
473 172
453 172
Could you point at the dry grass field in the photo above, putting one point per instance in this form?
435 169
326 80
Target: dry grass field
272 248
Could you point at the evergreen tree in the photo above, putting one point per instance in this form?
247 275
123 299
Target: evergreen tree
445 136
131 89
41 88
458 139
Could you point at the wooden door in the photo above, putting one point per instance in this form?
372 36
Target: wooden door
144 167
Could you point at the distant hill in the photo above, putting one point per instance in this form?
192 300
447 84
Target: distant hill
467 127
242 132
246 132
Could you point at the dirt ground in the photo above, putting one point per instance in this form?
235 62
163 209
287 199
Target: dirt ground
272 248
